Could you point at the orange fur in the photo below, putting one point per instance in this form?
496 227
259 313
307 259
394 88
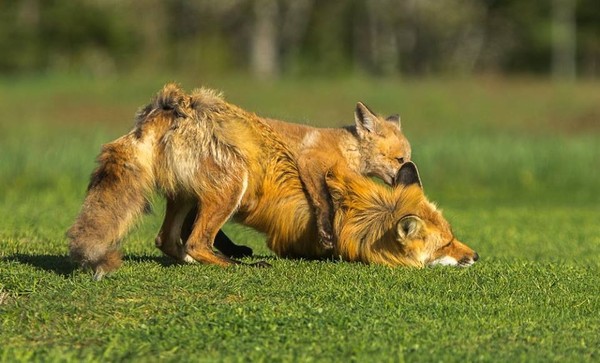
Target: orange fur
368 218
203 152
373 146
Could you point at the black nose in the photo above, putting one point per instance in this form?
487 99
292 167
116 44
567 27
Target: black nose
476 257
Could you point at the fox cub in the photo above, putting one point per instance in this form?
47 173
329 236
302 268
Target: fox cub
374 146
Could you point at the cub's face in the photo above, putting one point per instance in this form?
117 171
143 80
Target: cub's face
384 148
388 151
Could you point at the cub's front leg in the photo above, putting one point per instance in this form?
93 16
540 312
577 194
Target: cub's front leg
312 174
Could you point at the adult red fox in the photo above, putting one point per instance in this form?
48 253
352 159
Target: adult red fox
374 146
202 151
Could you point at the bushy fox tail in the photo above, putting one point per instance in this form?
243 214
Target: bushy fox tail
119 187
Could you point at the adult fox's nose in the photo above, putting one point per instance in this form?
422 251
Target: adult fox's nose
476 257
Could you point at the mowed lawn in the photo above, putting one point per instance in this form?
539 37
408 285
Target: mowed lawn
514 164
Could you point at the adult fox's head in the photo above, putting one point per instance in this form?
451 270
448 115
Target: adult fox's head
393 226
383 146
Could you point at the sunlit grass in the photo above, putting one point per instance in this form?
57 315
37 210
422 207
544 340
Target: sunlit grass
513 164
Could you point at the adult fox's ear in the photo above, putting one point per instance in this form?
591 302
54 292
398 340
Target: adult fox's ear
408 175
366 121
409 227
395 118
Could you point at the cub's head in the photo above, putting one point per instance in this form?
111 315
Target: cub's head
383 146
393 226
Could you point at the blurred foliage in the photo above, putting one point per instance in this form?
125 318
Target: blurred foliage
272 37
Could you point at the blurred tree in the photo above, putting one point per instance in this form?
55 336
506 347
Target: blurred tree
273 37
264 54
588 36
19 21
153 32
63 35
563 39
519 35
294 25
327 45
208 36
376 25
445 40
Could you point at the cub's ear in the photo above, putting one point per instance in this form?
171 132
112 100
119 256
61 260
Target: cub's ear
409 227
408 175
395 118
366 121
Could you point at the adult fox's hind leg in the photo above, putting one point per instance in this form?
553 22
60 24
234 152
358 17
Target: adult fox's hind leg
169 239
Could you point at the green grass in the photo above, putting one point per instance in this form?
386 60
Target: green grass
514 164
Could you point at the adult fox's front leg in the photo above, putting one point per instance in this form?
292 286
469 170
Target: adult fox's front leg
222 242
177 227
216 204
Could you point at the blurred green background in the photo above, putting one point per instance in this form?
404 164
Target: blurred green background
270 38
500 95
500 99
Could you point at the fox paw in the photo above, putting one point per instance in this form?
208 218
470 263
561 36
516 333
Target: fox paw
239 251
260 264
326 239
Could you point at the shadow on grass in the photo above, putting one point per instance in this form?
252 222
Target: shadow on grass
63 265
60 265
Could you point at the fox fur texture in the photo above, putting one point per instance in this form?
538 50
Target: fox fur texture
373 146
200 151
